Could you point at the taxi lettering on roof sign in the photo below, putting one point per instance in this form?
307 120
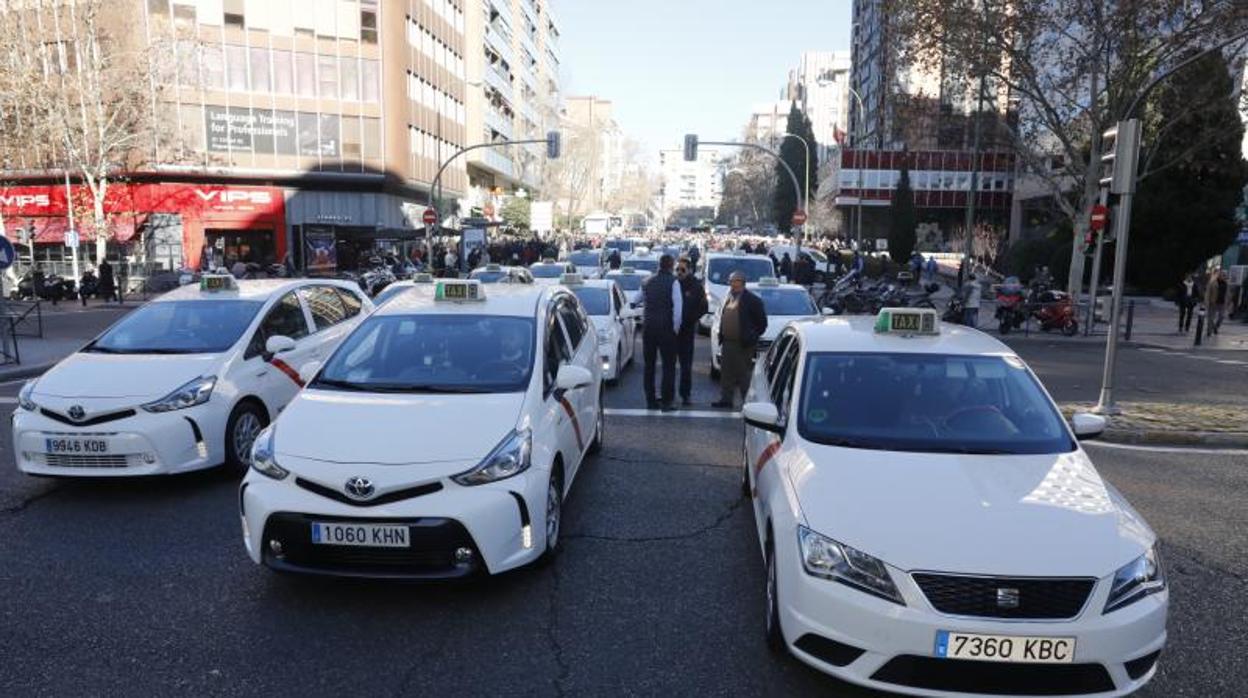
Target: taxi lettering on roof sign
213 283
769 281
571 279
422 278
456 290
627 270
907 321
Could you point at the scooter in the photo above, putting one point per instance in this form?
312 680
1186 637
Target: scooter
1055 310
1011 305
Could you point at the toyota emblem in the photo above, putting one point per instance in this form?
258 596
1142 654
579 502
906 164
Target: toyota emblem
359 487
77 414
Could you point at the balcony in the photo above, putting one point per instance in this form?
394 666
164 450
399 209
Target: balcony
495 78
498 121
495 160
499 43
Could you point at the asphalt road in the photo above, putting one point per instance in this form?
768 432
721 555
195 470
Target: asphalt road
143 587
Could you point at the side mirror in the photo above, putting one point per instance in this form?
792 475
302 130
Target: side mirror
278 344
572 377
828 311
308 371
1087 425
762 415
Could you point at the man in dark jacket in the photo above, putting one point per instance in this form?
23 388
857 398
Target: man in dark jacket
663 303
1188 298
693 305
741 323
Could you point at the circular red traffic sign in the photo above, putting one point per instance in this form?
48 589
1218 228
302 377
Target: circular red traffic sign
430 216
799 217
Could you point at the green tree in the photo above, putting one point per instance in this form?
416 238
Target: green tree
1185 210
793 152
516 212
901 230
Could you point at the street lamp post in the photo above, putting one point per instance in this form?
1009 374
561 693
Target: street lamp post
862 116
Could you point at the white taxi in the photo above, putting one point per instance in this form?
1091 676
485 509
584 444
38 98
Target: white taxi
718 266
421 280
588 263
499 274
614 321
783 303
184 382
438 441
547 272
630 281
931 525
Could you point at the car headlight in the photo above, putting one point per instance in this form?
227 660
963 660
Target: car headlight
511 457
263 458
1135 580
826 558
604 336
193 393
24 397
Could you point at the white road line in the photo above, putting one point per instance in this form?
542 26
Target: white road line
1168 449
8 401
1154 350
680 414
1232 362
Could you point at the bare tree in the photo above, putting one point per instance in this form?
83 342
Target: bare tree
749 184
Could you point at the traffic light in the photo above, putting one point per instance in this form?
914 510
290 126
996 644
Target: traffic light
691 147
1120 148
554 145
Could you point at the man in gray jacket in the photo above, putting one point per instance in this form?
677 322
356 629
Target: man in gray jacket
741 323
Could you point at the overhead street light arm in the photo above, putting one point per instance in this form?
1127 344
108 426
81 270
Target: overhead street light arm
797 188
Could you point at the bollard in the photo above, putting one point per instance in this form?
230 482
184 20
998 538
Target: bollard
1200 324
1130 318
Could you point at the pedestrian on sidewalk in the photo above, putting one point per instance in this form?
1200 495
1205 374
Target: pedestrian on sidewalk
108 284
972 294
662 320
1187 300
1215 301
693 307
741 323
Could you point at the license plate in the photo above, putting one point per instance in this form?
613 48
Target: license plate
361 535
85 447
1005 648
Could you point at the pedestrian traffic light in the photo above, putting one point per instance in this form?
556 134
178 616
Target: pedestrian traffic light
554 145
1120 153
691 147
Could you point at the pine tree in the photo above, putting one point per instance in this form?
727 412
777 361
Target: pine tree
793 152
901 231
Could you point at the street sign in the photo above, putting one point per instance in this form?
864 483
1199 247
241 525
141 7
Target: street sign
7 254
71 239
1100 215
799 217
429 217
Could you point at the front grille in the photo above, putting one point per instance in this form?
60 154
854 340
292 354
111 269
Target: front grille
828 650
431 554
1037 598
68 460
994 678
97 419
387 498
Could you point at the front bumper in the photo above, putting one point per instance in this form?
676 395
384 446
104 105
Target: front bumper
141 443
501 523
879 644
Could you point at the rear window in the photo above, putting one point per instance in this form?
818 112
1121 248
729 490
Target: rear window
786 302
719 269
596 301
628 282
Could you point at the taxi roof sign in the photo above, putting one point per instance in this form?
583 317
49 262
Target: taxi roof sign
456 290
769 281
548 260
215 283
493 267
627 270
908 321
571 279
422 278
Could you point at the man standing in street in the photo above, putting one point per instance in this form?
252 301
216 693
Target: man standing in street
1215 301
972 295
693 306
742 321
1188 299
663 314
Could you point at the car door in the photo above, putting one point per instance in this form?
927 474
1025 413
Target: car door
275 379
627 327
773 384
584 353
330 319
558 412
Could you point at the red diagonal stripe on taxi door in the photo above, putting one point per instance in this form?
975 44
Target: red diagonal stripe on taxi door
290 372
576 423
768 453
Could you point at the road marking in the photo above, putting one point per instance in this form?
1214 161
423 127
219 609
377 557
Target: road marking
681 414
8 401
1232 362
1169 449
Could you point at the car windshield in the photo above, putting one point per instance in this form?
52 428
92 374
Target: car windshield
585 259
754 268
596 301
650 265
546 271
178 327
628 282
433 354
928 403
782 302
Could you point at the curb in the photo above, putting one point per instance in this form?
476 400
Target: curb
19 372
1162 437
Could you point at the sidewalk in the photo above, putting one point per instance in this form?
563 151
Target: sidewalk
1153 323
66 327
1161 423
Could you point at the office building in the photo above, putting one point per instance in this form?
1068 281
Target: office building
691 191
820 87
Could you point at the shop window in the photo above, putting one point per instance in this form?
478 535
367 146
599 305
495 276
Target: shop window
305 74
327 76
350 73
283 79
236 67
260 70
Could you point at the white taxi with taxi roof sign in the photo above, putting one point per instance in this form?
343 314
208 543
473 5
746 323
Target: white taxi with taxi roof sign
930 523
499 274
614 321
547 272
421 280
439 441
783 303
630 281
716 267
184 382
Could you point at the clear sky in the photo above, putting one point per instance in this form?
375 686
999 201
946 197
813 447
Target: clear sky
690 66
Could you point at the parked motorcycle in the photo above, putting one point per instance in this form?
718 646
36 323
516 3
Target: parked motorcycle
1055 310
1011 305
50 287
954 311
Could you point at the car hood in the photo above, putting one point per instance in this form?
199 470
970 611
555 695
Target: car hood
1041 515
356 428
130 376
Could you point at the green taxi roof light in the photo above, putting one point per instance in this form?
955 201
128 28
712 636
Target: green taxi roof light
907 322
456 290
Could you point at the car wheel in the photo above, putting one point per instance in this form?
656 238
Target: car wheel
246 421
554 516
775 636
600 428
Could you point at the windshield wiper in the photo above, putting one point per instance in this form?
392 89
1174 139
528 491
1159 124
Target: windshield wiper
341 385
